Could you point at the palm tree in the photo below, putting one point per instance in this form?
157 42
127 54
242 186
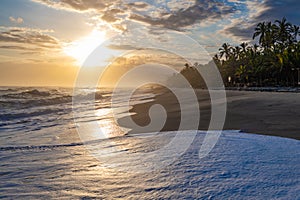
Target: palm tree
237 52
244 46
283 30
295 30
242 73
265 31
274 60
255 64
260 30
270 39
225 50
216 59
255 48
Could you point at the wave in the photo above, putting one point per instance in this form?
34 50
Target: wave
40 147
32 98
8 90
55 146
36 92
27 94
14 116
52 93
29 103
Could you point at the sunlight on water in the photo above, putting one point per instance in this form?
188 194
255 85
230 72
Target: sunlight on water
104 112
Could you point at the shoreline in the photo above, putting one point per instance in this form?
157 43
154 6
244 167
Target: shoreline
265 89
252 112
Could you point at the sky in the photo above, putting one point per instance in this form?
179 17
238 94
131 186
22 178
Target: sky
46 42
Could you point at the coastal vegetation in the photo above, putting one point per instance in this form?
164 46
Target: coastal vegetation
273 58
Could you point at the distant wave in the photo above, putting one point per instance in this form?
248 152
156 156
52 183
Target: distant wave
8 90
36 92
26 94
13 116
39 93
21 99
39 147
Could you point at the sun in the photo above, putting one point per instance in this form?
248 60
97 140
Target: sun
83 47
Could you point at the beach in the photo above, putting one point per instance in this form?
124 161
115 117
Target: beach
267 113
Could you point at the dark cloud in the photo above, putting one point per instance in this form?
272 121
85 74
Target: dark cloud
201 11
138 5
240 30
111 15
268 10
280 8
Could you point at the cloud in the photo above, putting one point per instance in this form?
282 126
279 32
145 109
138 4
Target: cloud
258 11
126 47
28 36
172 14
122 47
18 20
26 43
197 13
15 47
241 15
174 5
138 5
78 5
111 15
108 14
239 30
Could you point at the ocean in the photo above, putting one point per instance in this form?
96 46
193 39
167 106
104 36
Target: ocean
42 155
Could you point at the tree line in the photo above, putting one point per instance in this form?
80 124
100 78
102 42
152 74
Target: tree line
273 61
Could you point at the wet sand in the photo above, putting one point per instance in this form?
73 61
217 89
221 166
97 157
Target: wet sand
267 113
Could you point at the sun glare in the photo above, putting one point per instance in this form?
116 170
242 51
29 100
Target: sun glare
82 48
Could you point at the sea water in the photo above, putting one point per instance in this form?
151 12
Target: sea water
42 156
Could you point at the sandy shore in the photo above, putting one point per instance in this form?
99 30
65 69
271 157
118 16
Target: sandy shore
268 113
